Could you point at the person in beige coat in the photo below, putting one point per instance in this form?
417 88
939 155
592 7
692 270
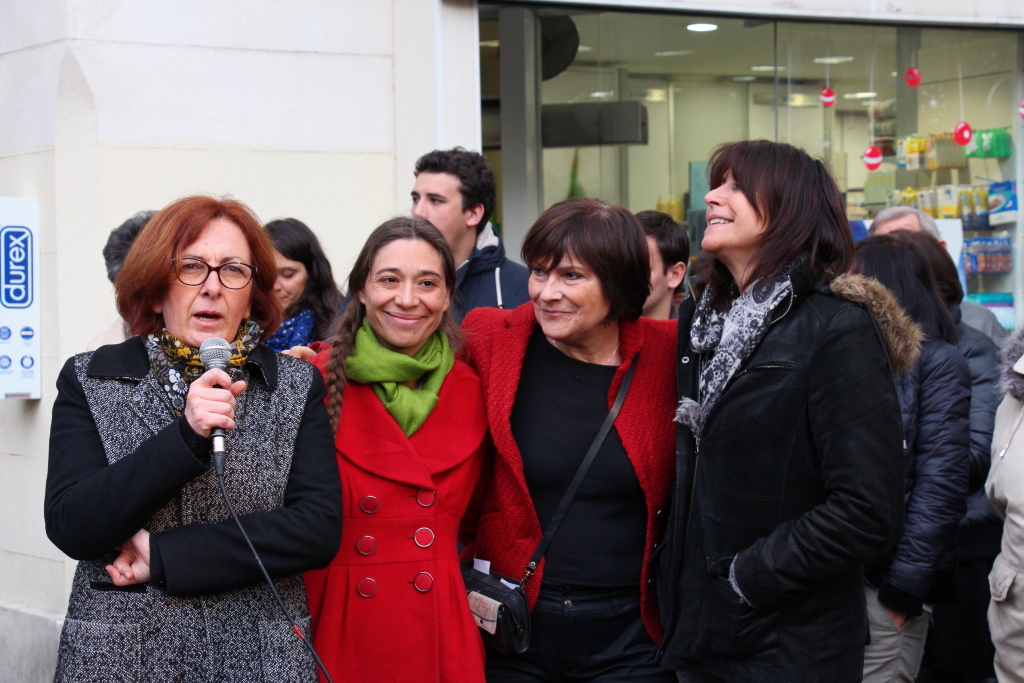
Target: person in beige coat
1006 611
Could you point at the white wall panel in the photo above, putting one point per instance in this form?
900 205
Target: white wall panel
332 26
172 96
24 23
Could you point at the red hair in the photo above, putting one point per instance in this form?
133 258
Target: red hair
146 276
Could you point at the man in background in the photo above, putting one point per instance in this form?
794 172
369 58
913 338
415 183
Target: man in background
114 252
908 218
670 252
455 191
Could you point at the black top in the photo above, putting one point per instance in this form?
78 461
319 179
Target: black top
560 406
91 507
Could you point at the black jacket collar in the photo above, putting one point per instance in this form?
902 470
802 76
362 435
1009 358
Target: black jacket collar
129 360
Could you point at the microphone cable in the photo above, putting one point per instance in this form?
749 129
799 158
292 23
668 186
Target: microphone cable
218 468
216 353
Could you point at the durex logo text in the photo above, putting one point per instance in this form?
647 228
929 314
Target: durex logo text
15 267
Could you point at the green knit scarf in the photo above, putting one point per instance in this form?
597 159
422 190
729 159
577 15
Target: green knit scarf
386 371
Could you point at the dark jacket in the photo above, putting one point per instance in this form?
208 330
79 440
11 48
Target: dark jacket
476 282
982 356
121 461
798 477
935 399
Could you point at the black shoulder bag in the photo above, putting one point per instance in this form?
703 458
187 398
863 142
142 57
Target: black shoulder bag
498 603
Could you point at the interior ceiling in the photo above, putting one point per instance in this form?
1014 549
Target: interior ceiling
631 41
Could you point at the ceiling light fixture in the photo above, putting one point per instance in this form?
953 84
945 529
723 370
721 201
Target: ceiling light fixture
584 48
488 43
744 79
767 67
832 60
673 53
702 28
859 95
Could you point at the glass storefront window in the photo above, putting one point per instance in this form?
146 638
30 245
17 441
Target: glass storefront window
756 78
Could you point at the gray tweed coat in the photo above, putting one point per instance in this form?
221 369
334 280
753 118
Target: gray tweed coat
213 619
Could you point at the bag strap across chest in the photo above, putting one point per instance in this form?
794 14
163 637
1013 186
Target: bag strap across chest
581 473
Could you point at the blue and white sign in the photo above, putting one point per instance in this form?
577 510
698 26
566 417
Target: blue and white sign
16 268
20 342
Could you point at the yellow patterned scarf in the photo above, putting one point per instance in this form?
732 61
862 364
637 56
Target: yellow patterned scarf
177 364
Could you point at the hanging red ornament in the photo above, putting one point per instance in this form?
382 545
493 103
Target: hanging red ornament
912 77
962 133
828 96
1020 109
872 158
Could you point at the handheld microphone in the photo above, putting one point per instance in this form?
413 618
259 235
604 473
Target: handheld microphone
216 353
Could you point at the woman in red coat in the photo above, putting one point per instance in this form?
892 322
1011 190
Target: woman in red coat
411 440
551 370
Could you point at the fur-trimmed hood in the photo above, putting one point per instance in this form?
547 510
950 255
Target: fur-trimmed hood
1012 380
902 336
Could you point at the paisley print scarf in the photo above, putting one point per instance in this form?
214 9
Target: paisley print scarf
177 364
732 336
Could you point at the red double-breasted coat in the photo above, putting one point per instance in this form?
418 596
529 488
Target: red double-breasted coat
392 605
508 530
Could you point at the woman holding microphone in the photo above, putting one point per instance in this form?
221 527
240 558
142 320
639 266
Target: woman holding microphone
166 588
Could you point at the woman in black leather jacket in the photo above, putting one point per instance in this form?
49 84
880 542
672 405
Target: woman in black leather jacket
935 399
789 448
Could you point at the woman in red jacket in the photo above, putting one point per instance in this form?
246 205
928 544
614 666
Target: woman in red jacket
551 369
411 440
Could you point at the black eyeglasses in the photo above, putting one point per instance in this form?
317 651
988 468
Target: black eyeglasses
193 272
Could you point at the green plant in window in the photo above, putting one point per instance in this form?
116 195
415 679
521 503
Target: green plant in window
575 189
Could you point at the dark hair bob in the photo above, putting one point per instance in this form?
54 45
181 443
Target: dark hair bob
607 239
146 276
800 205
903 267
941 263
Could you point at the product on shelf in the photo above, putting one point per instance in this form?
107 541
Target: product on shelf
928 201
855 209
1000 303
979 209
910 151
942 151
967 202
949 201
1002 203
878 185
991 143
988 254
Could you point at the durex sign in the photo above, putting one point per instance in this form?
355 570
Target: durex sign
20 332
16 267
